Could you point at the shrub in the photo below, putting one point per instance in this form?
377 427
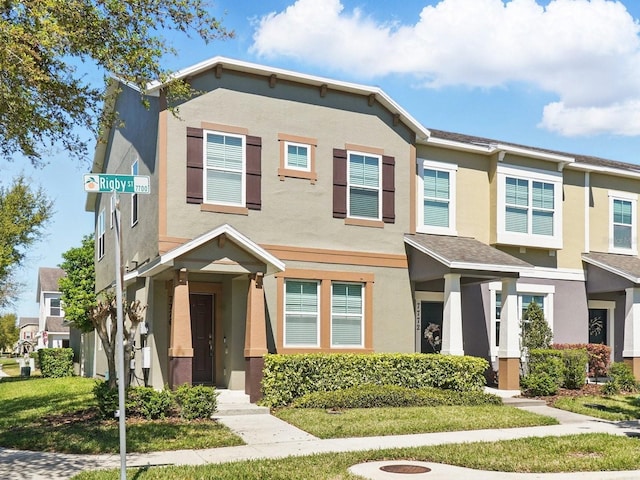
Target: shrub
56 362
369 396
536 333
107 398
196 402
622 379
599 356
287 377
149 403
574 374
539 384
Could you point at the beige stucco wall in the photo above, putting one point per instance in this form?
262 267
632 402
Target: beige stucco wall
573 219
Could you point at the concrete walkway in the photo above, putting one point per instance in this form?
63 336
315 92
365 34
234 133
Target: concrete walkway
268 437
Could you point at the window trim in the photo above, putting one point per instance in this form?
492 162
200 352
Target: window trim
284 330
51 307
284 170
633 199
529 239
350 185
206 168
134 197
548 291
452 170
100 235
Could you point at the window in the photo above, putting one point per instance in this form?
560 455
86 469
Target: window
364 185
225 169
134 197
346 314
112 209
527 294
529 207
622 228
301 313
100 234
54 307
297 156
437 192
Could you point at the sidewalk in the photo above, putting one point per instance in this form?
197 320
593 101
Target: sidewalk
268 437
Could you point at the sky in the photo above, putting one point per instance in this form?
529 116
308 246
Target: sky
556 74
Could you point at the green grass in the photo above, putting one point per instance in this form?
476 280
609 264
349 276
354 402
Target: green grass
574 453
615 407
367 422
10 366
59 414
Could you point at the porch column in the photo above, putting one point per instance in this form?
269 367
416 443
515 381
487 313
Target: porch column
631 352
509 342
180 346
452 316
255 341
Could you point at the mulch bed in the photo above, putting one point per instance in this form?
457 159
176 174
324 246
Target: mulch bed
587 389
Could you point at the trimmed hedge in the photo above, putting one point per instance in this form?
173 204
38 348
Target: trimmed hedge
546 373
56 362
599 356
370 396
287 377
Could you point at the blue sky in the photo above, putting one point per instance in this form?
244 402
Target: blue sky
558 74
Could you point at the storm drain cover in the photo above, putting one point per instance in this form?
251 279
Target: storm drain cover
404 468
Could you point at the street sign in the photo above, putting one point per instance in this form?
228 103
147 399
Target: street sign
105 183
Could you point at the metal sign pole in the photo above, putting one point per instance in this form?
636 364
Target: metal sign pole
120 342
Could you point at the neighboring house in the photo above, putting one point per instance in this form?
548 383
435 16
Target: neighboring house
28 331
291 213
52 332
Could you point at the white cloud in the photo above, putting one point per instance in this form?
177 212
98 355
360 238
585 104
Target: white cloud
587 52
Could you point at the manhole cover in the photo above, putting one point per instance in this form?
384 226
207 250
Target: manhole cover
404 469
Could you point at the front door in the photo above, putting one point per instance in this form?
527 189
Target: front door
431 327
202 338
598 325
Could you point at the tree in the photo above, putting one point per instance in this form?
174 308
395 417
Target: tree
86 312
536 333
23 214
9 332
43 94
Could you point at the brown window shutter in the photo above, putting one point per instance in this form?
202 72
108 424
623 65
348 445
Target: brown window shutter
388 189
339 183
254 172
194 165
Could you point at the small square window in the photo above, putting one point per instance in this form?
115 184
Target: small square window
298 156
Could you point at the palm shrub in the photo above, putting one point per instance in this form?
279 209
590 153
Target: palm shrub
622 379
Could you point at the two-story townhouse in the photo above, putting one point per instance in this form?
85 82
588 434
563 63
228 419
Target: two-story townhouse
28 330
52 332
292 213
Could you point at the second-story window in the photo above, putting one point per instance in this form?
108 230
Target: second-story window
100 235
437 206
364 185
297 156
54 307
622 223
224 181
134 197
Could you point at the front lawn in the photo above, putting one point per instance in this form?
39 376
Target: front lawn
367 422
60 414
614 408
10 366
574 453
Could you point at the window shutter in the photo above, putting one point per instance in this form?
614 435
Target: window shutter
194 165
339 183
388 189
254 172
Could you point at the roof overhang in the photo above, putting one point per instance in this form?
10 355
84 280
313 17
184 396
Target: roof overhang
613 269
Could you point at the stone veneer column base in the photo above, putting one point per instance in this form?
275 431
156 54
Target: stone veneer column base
253 378
634 363
509 373
180 371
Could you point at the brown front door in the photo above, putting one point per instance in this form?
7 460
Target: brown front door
202 338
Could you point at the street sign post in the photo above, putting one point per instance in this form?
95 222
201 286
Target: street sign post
116 184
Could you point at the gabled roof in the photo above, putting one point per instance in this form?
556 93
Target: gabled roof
56 325
625 266
165 261
25 321
48 280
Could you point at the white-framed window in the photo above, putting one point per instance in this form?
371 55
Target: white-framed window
347 314
297 156
527 294
529 207
364 185
623 223
436 197
112 209
55 309
301 313
134 197
225 168
100 235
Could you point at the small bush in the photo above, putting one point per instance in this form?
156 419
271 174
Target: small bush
196 402
149 403
622 379
371 396
575 363
547 361
56 362
107 398
539 385
599 356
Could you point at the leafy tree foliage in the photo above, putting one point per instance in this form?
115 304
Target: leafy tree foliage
9 332
78 286
44 94
23 214
536 333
